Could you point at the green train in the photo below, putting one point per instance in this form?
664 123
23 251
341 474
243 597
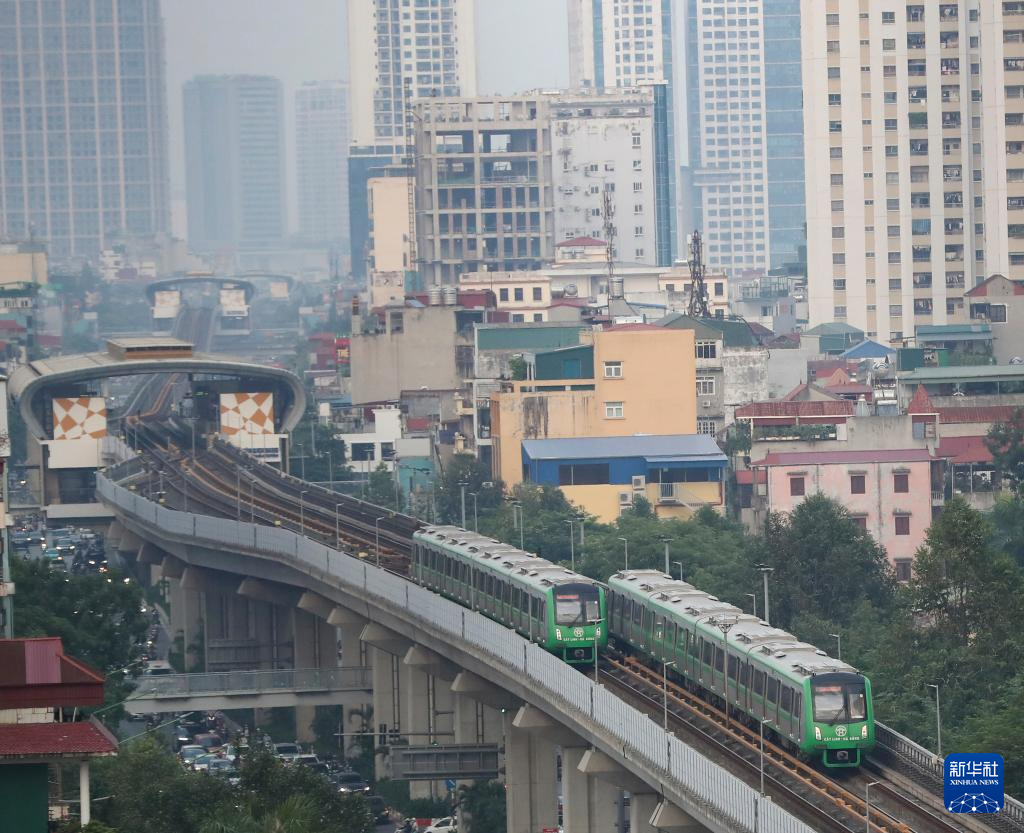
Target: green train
812 702
558 609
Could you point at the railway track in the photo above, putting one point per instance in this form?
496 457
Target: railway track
903 795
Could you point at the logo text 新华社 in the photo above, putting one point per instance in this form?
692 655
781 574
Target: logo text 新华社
973 782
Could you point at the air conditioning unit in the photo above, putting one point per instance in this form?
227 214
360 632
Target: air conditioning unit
707 403
625 499
639 482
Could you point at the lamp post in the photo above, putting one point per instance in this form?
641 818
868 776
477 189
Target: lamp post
462 493
664 691
725 624
330 469
867 805
839 645
302 512
376 536
597 629
572 546
517 520
337 526
476 519
938 720
753 601
252 499
302 459
238 494
668 571
763 723
625 549
765 570
679 564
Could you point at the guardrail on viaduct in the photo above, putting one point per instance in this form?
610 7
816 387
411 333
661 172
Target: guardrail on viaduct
710 789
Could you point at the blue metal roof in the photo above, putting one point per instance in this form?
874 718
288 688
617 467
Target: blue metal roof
867 349
663 448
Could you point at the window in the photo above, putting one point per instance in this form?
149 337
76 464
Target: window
903 569
613 370
857 484
705 386
707 349
901 482
517 293
796 486
503 294
614 410
861 521
706 426
538 293
902 524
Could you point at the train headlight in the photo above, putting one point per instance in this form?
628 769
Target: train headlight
817 733
864 730
597 632
558 633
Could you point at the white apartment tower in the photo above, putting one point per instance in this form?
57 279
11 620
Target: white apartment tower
406 48
321 160
914 126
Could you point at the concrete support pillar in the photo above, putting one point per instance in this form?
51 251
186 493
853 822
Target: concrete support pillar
467 719
386 701
84 794
306 645
641 809
588 805
417 690
354 654
532 799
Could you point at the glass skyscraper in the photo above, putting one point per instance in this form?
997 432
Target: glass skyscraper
83 123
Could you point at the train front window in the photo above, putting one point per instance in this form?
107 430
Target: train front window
840 702
576 604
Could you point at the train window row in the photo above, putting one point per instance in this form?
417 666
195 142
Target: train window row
492 593
639 623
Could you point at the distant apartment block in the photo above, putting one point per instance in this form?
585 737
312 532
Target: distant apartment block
234 163
914 126
83 121
321 160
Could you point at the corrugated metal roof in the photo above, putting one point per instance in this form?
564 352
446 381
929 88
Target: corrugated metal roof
825 407
974 373
519 337
655 447
964 450
875 455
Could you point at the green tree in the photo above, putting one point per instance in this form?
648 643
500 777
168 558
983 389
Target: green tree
296 814
1000 728
484 805
517 368
824 564
98 617
382 489
1008 526
960 579
465 469
1005 441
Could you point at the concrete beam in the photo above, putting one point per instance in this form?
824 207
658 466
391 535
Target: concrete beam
667 816
385 639
430 662
197 578
148 553
533 720
264 591
172 567
479 689
129 542
341 616
596 763
114 534
316 604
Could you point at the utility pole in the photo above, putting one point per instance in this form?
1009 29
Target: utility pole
765 571
698 289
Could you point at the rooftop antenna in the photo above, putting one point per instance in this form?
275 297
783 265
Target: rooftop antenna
698 289
410 162
608 212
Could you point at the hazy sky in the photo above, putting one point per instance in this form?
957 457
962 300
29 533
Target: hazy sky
521 45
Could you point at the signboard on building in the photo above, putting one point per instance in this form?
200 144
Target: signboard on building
232 302
247 421
78 417
166 303
279 290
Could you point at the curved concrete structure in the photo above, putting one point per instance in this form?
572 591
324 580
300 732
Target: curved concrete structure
224 281
29 381
268 276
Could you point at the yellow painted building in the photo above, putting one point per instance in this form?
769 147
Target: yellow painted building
389 219
526 296
644 382
22 263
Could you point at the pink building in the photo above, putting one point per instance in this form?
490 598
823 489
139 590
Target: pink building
888 492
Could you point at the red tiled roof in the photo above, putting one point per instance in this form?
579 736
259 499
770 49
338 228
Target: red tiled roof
850 387
8 324
800 458
985 414
36 673
964 450
921 403
418 423
43 740
577 242
830 407
569 302
745 477
981 290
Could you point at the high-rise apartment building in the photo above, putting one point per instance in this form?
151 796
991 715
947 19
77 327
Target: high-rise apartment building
914 143
399 51
484 193
83 123
234 163
321 160
622 44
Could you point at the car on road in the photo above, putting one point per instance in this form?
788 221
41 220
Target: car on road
286 751
223 768
449 824
21 540
305 760
201 763
350 782
188 753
